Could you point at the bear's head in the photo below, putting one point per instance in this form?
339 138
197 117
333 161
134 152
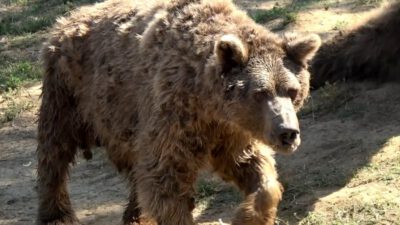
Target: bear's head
265 83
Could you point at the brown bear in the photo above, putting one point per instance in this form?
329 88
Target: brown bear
170 88
370 51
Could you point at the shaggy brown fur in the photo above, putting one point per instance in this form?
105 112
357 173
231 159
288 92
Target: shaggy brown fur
169 89
371 51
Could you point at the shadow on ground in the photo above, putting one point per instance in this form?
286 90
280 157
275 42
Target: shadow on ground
337 144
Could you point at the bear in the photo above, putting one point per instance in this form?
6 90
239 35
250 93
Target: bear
369 51
169 89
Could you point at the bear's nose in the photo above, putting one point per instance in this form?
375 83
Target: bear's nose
288 135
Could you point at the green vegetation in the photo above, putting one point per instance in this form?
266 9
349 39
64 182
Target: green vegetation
13 109
23 25
32 16
22 30
286 12
14 75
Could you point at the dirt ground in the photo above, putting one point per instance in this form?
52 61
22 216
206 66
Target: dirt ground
350 133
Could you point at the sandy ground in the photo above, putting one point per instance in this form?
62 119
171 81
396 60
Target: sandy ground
335 145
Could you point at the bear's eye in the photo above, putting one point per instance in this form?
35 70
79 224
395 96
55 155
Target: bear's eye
262 95
293 92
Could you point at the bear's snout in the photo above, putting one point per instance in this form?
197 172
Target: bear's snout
287 135
282 125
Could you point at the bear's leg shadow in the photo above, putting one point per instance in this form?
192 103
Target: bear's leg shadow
255 175
124 160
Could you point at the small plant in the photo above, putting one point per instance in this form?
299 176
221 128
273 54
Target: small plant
287 12
34 15
15 74
29 21
13 110
25 41
262 16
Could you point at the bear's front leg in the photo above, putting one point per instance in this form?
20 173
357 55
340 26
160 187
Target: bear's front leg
260 207
165 187
254 174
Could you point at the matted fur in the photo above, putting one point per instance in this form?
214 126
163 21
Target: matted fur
168 89
370 51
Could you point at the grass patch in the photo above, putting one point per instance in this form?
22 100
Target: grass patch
21 34
25 41
287 13
34 16
13 108
30 19
14 75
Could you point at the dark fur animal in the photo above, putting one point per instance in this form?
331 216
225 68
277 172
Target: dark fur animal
170 88
369 52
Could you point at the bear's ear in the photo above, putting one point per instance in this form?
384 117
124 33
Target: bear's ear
301 49
230 52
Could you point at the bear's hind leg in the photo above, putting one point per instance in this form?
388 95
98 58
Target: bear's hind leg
132 211
54 203
58 139
124 159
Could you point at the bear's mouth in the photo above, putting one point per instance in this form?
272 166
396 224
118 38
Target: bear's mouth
281 145
287 148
